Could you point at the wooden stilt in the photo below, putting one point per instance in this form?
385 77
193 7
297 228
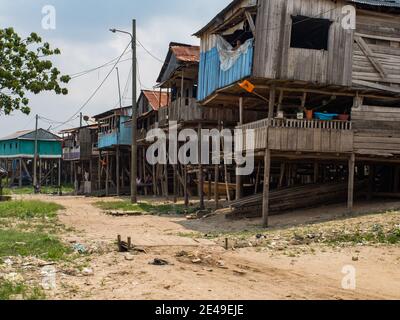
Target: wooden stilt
117 171
175 182
185 186
107 175
216 187
267 176
239 182
59 178
20 173
316 171
165 177
350 202
153 174
201 173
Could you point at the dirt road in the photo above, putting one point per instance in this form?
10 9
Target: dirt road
203 269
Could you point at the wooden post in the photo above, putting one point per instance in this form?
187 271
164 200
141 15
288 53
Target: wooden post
201 173
267 176
76 183
316 172
20 173
175 182
371 177
99 165
117 171
185 187
165 178
216 187
239 184
271 107
153 169
350 202
59 177
107 174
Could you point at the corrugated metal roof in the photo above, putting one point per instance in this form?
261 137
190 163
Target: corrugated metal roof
185 53
30 135
381 3
16 135
153 97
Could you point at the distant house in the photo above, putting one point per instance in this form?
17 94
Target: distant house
17 152
149 104
22 145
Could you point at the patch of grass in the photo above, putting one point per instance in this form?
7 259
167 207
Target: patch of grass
10 290
144 207
28 209
14 243
44 190
377 235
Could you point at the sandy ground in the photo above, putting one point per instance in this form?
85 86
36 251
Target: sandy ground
247 273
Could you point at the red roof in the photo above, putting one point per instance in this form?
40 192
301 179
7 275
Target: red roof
186 53
154 98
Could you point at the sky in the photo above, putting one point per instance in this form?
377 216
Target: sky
82 34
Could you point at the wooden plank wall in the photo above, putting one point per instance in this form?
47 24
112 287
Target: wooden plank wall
274 59
304 140
377 130
381 34
85 143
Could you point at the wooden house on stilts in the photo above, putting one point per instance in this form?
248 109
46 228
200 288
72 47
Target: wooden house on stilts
114 145
323 77
17 154
81 158
179 77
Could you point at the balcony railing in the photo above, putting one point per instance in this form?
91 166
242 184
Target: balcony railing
299 124
300 135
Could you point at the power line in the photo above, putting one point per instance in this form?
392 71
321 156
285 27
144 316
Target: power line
85 72
149 52
97 89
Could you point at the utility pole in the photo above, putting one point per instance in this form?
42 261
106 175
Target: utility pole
80 120
134 113
35 182
134 118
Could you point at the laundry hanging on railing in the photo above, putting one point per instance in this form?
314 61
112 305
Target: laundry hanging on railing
228 55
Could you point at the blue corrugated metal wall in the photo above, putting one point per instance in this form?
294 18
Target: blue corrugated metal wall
124 137
211 77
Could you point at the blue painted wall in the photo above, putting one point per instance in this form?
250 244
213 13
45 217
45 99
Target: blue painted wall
211 77
122 137
15 147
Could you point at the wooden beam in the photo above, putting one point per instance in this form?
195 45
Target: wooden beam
369 54
267 176
251 23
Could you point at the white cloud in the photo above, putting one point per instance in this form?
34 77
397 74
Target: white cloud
77 56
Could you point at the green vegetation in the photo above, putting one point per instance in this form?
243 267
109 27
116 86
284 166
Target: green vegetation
30 190
145 208
26 68
369 229
28 209
9 290
16 243
30 238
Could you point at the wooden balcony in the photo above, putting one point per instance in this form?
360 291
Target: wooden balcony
301 135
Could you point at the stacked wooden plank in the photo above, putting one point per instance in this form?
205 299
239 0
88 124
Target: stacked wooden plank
292 199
